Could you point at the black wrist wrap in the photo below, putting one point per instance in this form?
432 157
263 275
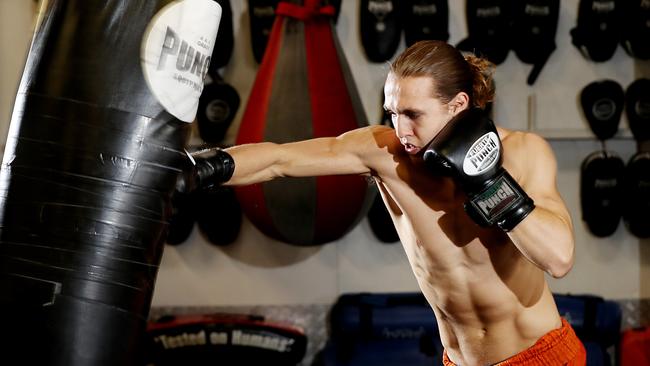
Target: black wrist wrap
215 169
502 202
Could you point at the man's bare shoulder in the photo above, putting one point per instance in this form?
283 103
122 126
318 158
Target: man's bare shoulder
374 130
374 137
523 142
528 156
375 145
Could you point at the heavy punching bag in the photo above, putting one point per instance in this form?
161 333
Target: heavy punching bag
95 147
303 90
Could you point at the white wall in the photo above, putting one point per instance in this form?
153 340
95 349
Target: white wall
257 270
16 30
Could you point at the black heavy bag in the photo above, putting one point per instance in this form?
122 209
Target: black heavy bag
489 29
92 157
425 19
635 28
597 32
602 104
380 28
534 27
601 192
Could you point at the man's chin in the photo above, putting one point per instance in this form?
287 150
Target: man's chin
417 157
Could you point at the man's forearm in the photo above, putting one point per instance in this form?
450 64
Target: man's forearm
546 239
254 163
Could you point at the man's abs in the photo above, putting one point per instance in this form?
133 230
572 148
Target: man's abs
486 341
489 300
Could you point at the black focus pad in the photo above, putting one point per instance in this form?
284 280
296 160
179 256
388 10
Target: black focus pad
225 42
218 106
637 108
636 211
489 26
425 19
218 214
635 28
596 34
602 103
380 28
601 195
182 218
261 14
534 27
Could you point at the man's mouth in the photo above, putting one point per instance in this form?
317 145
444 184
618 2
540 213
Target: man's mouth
411 149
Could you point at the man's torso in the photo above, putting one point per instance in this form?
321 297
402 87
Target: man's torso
489 300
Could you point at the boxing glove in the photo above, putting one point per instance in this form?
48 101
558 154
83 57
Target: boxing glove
206 172
469 149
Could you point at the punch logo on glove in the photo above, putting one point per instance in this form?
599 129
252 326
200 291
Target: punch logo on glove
496 199
469 147
483 154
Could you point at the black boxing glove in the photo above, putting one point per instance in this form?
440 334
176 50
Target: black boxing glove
469 148
207 172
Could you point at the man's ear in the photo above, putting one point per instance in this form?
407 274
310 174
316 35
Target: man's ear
459 103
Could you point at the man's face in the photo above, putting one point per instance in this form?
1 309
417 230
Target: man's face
417 116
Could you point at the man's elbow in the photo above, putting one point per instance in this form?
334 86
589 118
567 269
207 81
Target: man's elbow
562 264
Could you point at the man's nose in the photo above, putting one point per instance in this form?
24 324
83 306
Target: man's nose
402 128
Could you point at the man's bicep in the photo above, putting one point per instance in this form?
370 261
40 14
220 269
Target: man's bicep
541 178
344 154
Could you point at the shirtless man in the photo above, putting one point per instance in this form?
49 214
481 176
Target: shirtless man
486 285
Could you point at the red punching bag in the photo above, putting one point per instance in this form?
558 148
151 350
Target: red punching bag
303 90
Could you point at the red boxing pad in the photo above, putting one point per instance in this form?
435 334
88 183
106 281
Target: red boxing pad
303 89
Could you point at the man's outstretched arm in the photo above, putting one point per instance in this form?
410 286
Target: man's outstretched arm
345 154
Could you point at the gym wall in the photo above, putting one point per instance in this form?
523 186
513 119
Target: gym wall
256 270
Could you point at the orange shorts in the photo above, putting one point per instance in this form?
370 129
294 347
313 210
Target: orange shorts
558 347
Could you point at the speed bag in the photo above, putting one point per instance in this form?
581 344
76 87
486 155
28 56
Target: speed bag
303 90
